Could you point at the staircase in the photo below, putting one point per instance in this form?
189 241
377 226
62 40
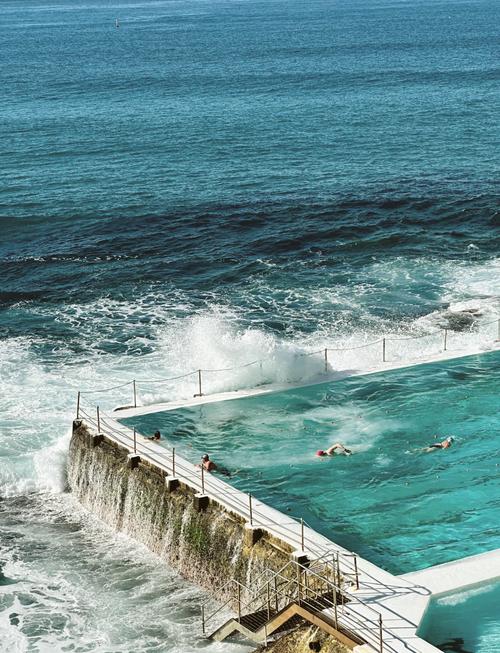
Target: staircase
296 594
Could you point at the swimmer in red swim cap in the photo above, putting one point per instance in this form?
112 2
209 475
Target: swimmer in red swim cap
335 450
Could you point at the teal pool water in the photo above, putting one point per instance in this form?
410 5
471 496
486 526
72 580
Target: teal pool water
390 502
466 622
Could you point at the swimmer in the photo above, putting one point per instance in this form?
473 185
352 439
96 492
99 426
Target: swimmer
207 464
444 444
335 449
156 436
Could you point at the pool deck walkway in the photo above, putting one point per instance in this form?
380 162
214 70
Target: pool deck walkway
123 412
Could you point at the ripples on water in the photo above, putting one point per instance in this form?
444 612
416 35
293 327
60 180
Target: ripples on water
216 182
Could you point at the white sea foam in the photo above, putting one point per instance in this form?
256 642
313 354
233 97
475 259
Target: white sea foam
39 397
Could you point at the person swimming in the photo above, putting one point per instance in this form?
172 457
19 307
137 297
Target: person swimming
444 444
335 450
207 464
156 436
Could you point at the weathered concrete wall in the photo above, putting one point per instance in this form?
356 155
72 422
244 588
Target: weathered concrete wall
208 547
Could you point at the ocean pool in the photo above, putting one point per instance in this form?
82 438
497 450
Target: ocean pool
465 622
390 502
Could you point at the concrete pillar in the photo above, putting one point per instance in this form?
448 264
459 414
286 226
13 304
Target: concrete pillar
252 535
76 424
201 502
300 557
171 483
133 460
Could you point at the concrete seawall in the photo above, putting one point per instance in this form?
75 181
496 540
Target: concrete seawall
208 547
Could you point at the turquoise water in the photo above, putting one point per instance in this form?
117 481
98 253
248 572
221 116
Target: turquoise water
466 622
398 507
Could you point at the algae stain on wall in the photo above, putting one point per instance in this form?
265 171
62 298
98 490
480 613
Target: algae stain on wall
208 547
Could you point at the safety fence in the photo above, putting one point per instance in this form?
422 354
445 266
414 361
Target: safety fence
384 350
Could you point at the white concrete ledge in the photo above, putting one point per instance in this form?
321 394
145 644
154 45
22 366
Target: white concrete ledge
128 411
459 574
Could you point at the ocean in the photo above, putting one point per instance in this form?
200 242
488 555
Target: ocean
209 183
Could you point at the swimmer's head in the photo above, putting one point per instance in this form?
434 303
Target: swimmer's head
320 453
450 439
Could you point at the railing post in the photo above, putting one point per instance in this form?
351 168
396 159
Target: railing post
356 571
383 350
302 534
199 393
239 602
268 601
338 570
326 360
276 592
135 394
78 405
135 441
250 509
298 584
202 478
445 339
173 461
98 420
203 619
380 633
335 608
265 634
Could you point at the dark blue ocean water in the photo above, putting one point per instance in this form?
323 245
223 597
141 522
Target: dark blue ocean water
209 183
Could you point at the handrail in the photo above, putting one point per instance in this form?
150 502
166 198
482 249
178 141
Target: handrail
239 506
445 331
281 590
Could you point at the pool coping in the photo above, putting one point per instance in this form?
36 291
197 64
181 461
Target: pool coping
124 412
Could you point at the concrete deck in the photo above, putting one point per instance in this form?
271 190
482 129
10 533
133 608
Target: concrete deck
128 411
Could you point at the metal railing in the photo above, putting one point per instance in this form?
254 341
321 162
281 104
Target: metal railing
339 566
328 356
315 586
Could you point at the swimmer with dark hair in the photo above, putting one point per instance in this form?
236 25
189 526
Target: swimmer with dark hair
336 449
444 444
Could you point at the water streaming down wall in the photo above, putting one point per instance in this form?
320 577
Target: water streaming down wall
208 547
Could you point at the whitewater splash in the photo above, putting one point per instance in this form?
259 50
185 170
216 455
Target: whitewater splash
33 419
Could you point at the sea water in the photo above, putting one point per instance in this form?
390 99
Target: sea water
210 183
